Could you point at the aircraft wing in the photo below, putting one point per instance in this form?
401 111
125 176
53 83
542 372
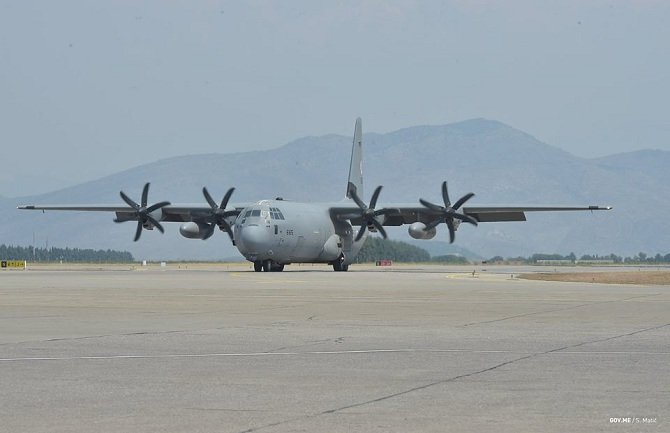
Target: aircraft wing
518 213
404 213
170 212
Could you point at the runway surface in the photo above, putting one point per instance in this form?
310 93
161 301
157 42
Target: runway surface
433 349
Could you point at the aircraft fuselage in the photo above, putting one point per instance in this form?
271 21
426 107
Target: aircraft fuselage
289 232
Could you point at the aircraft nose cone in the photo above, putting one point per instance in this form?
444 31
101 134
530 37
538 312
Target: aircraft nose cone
253 239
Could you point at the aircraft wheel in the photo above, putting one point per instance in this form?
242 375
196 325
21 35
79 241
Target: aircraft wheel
339 265
258 266
277 267
267 265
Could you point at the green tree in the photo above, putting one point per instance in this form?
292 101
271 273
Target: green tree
70 255
384 249
450 258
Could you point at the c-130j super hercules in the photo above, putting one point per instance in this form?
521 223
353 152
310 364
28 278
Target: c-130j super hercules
274 233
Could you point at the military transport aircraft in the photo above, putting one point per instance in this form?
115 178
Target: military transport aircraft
274 233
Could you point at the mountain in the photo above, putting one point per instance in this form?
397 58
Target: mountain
502 165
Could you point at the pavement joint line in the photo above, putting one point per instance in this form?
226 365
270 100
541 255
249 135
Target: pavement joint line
587 304
448 380
559 351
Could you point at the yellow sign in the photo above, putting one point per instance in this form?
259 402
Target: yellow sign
12 264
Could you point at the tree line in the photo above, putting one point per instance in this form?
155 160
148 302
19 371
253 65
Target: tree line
385 249
374 249
640 258
70 255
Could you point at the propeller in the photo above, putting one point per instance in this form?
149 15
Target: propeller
142 211
369 213
449 212
219 213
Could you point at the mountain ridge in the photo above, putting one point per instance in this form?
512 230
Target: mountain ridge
502 165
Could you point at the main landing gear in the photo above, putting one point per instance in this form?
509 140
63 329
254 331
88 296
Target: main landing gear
339 265
267 266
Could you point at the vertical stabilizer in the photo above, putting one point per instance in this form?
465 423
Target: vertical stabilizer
356 165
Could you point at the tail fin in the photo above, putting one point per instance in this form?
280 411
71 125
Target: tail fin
356 165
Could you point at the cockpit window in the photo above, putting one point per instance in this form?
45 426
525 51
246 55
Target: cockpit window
256 212
276 214
247 214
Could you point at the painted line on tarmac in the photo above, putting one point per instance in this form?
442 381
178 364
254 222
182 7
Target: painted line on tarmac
321 352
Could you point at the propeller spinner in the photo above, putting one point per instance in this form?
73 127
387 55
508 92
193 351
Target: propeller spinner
142 212
448 212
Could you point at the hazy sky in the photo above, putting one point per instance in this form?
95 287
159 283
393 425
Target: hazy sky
89 88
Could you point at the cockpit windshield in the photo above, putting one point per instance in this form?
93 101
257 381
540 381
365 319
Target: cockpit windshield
263 212
276 214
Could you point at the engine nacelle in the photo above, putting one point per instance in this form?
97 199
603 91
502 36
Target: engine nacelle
332 248
194 230
417 230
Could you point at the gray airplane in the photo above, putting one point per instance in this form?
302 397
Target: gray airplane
274 233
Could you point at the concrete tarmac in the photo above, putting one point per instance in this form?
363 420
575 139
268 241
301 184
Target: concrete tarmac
404 349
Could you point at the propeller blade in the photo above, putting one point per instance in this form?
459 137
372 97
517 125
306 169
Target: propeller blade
431 206
226 197
129 201
445 194
380 228
462 200
138 231
432 225
228 229
142 213
452 230
145 194
375 196
358 200
466 218
155 223
368 213
159 205
209 198
361 231
219 214
448 212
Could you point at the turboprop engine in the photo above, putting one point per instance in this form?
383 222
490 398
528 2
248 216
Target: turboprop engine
418 230
193 230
